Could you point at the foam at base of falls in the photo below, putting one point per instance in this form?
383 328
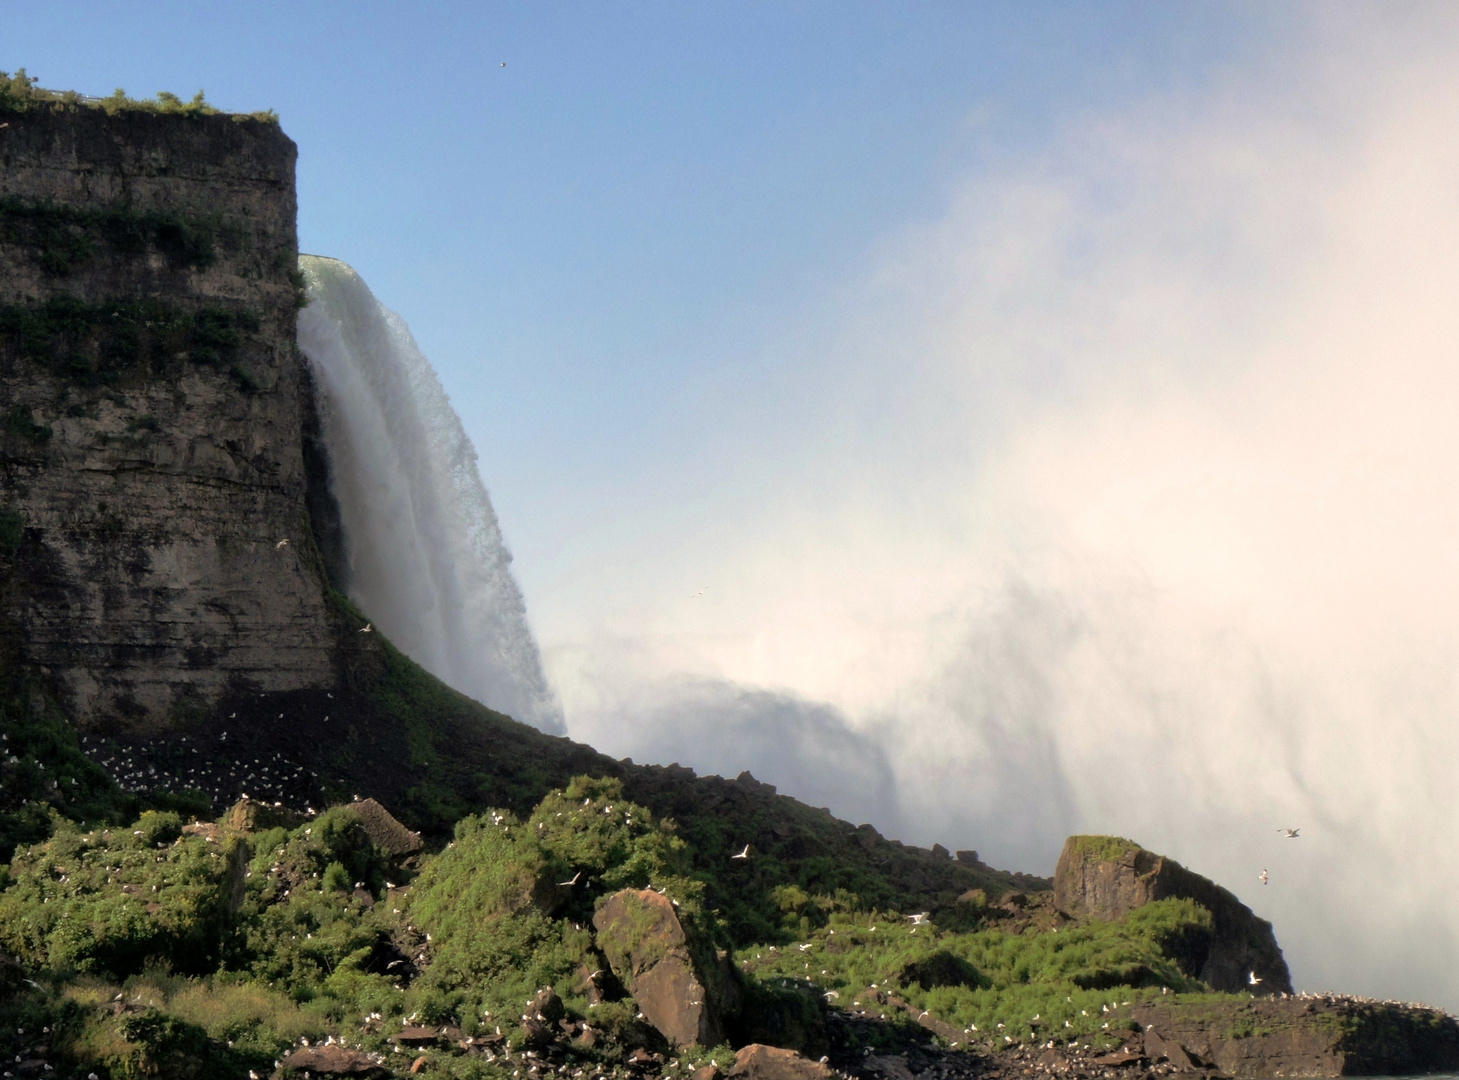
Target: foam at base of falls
424 551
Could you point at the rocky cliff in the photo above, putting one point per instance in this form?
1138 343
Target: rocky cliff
1106 877
154 535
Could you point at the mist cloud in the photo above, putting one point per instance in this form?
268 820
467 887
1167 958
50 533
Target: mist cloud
1122 498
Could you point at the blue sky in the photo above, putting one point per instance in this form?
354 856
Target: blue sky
644 192
989 420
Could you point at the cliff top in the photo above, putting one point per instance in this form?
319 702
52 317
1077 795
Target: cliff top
19 93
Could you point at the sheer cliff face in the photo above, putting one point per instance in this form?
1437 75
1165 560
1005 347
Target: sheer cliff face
152 400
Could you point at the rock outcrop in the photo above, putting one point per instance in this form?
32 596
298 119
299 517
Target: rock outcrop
153 404
682 993
1300 1036
331 1061
759 1062
384 831
1105 877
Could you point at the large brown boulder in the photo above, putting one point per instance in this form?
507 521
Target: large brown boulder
332 1061
676 981
760 1062
1107 877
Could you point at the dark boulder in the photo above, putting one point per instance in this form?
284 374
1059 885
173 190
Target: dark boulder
942 968
383 829
1104 877
1160 1048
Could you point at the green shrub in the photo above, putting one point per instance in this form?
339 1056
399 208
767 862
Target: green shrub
19 93
113 901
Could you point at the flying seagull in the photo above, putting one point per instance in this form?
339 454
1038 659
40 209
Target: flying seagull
574 880
282 544
744 854
701 592
368 628
1262 875
1291 833
918 919
1252 979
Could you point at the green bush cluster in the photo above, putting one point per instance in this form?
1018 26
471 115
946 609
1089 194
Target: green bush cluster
113 901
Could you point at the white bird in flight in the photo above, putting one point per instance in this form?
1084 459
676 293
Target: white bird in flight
744 854
700 593
574 880
1252 979
368 628
1262 875
1291 833
918 919
282 544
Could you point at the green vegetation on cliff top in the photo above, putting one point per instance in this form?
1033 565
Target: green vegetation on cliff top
19 93
1102 848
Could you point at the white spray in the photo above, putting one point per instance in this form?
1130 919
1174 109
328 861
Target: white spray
425 554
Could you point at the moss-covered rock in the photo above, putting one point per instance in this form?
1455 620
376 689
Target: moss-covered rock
676 979
1104 877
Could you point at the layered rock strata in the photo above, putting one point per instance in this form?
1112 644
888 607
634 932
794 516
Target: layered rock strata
154 530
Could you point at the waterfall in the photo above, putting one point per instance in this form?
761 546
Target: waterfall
424 553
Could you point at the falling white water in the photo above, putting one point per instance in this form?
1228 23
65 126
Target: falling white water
426 560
